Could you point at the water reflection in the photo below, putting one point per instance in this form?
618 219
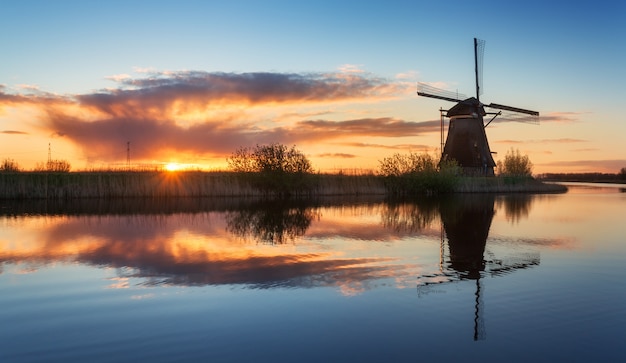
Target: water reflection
516 206
410 216
466 220
262 244
272 221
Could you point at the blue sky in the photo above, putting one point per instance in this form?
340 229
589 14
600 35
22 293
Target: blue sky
563 59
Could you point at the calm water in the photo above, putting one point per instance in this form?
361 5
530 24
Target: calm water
471 278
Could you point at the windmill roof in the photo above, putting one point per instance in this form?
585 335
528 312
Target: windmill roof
467 107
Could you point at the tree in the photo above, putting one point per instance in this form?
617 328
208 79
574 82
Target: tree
273 168
622 174
515 164
9 165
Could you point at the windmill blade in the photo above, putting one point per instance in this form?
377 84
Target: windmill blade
426 90
507 116
479 54
513 109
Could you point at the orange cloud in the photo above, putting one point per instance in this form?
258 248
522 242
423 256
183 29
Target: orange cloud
204 113
582 166
542 141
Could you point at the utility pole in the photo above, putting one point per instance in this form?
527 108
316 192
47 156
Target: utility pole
128 155
49 154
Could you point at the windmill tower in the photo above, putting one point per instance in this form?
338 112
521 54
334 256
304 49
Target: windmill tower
467 141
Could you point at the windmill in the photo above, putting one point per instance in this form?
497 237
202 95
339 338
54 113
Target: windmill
467 141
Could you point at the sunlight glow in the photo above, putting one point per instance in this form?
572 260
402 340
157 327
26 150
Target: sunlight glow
173 167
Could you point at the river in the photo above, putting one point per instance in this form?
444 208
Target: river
476 277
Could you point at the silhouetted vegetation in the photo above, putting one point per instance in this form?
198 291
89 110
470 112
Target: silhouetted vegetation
9 166
273 169
515 165
54 166
414 174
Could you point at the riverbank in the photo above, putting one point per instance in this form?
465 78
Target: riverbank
42 185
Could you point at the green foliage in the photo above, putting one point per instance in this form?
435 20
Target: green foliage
412 173
515 165
9 166
273 168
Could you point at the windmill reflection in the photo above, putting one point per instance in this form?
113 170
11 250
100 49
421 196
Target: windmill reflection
466 220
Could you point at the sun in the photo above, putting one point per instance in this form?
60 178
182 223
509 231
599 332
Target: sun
173 166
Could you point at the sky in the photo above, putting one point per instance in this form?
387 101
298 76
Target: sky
97 83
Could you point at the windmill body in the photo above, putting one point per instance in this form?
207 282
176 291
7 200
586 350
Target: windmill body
466 142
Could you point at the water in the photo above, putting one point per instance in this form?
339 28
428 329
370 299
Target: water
472 278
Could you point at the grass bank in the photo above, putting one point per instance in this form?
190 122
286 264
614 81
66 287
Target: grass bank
73 185
43 185
506 185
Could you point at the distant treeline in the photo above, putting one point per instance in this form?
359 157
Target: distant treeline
586 177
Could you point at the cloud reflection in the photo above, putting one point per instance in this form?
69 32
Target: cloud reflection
261 244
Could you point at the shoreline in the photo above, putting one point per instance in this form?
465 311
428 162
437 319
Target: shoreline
161 184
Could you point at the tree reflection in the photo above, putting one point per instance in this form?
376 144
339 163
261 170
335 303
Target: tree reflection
274 222
516 206
409 217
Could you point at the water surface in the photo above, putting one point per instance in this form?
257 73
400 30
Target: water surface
469 277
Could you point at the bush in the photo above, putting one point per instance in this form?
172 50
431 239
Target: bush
9 166
410 174
515 164
274 168
54 166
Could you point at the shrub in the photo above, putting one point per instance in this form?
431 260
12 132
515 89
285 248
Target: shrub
55 166
515 164
9 166
410 174
274 168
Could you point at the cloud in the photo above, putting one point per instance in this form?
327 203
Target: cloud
561 117
211 113
119 78
28 87
351 68
406 147
542 141
336 155
410 75
13 132
603 166
384 126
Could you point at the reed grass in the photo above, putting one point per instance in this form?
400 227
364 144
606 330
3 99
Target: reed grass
506 185
154 184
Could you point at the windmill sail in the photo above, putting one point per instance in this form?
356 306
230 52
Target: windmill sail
479 51
427 90
513 109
